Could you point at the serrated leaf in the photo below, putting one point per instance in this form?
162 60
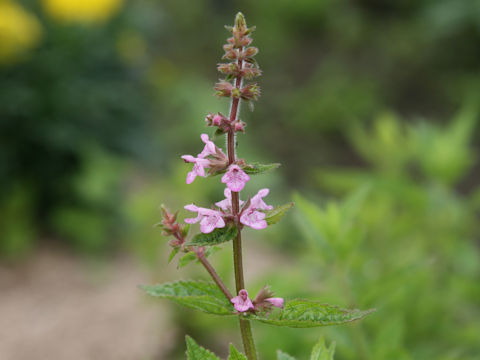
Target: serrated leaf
284 356
198 295
235 354
217 236
321 352
196 352
256 169
308 313
273 216
172 254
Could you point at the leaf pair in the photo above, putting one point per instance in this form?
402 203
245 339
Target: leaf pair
196 352
206 297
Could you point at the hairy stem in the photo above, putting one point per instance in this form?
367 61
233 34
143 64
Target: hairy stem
214 275
245 327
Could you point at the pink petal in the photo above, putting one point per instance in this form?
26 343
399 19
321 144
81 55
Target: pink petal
209 223
257 201
191 207
191 177
253 219
209 148
235 178
188 158
278 302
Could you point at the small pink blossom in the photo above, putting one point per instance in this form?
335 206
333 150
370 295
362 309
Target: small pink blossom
242 303
226 204
257 200
199 165
209 219
278 302
209 149
253 218
235 178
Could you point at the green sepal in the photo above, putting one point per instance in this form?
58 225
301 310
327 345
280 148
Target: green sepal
172 254
197 352
198 295
321 352
235 354
186 259
283 356
217 236
190 257
256 168
185 230
273 216
308 313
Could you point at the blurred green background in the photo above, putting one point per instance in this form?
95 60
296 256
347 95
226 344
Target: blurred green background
371 106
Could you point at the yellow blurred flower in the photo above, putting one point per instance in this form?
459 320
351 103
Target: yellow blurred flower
19 31
82 10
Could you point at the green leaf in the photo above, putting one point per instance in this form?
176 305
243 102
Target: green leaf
256 169
284 356
235 354
172 254
196 352
321 352
273 216
198 295
307 313
190 257
186 259
217 236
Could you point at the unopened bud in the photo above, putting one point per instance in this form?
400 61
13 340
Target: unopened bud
223 88
217 120
239 126
250 52
250 92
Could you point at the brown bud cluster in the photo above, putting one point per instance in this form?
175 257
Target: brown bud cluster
223 123
170 227
242 65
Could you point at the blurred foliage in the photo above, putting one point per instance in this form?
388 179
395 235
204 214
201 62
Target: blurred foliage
69 110
404 241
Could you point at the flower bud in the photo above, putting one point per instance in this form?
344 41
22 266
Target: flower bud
231 54
250 52
229 69
239 126
250 92
224 88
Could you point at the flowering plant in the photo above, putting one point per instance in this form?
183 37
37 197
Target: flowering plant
224 222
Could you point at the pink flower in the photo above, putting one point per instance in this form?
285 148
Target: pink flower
209 219
253 218
226 204
235 178
198 168
209 149
242 303
257 200
278 302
